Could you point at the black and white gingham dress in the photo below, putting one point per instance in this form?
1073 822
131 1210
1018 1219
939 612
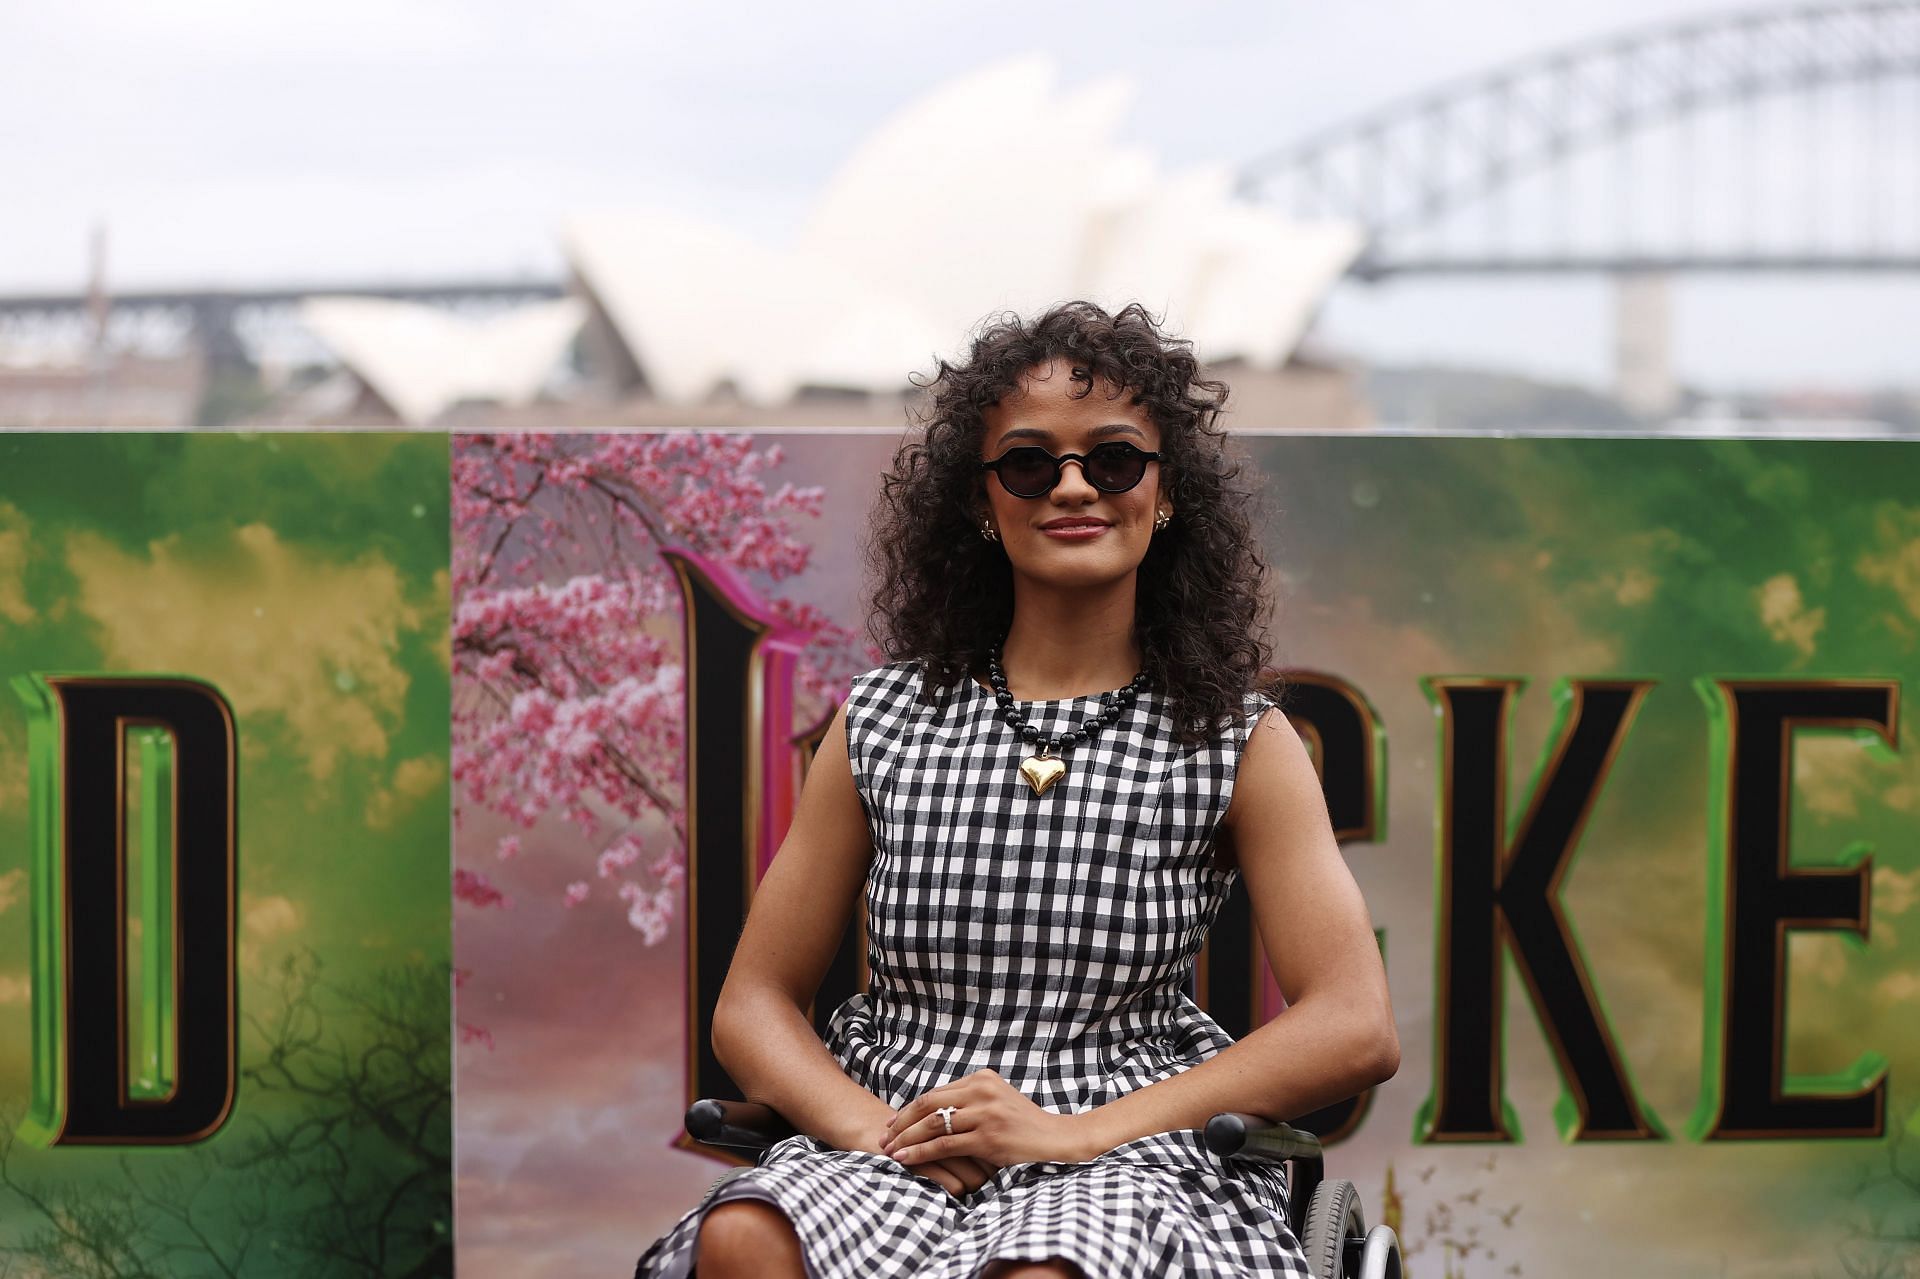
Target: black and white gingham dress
1049 937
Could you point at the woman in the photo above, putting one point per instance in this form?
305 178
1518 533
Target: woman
1038 797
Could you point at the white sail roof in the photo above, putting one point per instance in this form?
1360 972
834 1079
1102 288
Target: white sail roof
421 360
997 191
698 305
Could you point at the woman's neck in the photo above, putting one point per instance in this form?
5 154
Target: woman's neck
1069 644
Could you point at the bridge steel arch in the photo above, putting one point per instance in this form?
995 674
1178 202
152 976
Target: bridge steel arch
1413 163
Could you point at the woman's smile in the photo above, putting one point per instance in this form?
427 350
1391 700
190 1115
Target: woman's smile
1075 530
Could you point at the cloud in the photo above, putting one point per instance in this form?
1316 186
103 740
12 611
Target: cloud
1898 988
413 779
1895 563
1632 576
15 988
1830 773
13 770
1893 892
264 920
281 629
13 566
13 886
1633 585
1820 956
443 607
1785 614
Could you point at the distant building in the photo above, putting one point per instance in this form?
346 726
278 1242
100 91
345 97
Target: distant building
102 391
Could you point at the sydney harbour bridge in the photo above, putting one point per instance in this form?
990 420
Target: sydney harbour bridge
1767 140
1763 141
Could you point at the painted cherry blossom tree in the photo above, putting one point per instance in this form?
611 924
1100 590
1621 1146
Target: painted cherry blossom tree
567 664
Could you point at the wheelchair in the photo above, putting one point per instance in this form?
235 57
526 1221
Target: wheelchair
1325 1215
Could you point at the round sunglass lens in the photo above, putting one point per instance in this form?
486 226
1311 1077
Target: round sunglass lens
1115 467
1027 472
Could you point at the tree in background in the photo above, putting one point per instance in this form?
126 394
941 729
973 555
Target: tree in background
363 1168
1883 1224
342 1169
569 697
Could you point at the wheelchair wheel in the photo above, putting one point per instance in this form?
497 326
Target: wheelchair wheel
1333 1218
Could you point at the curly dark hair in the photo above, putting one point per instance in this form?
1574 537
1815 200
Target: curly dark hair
943 595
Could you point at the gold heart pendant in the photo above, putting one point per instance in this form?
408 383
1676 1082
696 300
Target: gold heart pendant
1041 773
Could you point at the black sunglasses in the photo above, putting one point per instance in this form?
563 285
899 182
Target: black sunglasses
1030 471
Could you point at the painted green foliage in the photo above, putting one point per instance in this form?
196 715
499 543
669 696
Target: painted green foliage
305 577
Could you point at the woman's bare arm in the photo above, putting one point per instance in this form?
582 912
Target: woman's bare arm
1336 1037
799 915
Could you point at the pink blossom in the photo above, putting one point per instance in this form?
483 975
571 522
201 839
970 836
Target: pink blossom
648 913
476 889
619 855
569 680
670 868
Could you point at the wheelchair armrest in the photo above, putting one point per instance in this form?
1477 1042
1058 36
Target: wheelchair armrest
749 1126
1232 1132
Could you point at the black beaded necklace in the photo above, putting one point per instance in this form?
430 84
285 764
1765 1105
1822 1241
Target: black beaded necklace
1044 769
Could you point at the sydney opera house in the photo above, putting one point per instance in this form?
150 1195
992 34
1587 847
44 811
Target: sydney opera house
999 190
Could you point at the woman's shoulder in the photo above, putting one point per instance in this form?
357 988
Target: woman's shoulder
1230 731
890 692
884 685
885 707
1254 705
905 679
1256 702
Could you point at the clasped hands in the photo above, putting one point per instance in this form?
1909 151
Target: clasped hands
996 1125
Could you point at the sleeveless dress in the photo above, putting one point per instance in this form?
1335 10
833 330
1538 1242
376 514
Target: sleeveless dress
1049 937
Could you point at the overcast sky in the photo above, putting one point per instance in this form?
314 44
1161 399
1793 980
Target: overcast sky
231 141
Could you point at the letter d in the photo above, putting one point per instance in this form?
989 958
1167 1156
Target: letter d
84 1090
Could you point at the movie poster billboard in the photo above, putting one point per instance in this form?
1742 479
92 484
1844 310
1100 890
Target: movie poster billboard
1609 727
224 946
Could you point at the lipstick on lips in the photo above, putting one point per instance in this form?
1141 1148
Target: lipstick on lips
1079 528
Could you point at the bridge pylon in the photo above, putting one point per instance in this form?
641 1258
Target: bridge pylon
1643 343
